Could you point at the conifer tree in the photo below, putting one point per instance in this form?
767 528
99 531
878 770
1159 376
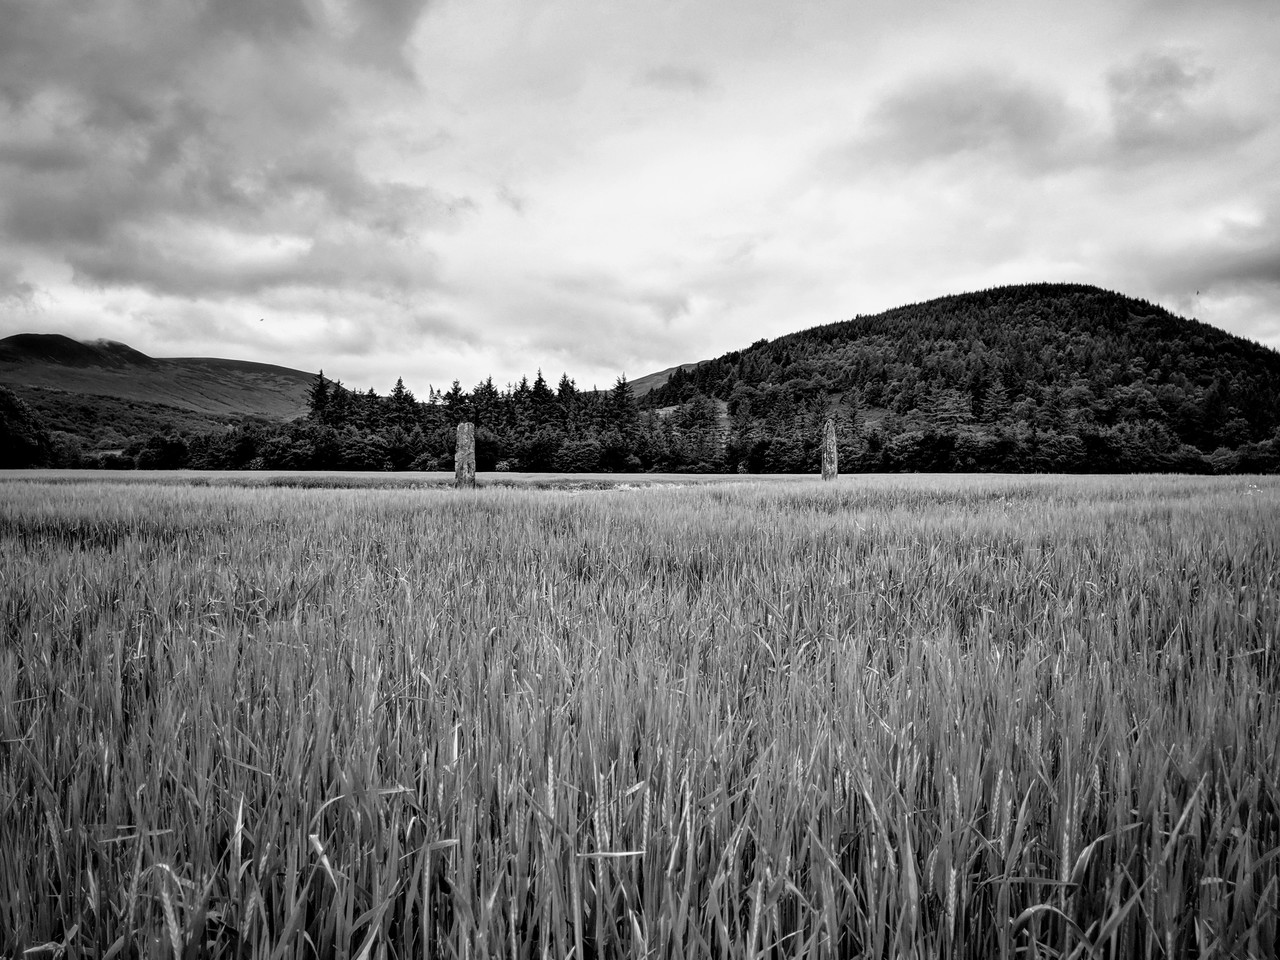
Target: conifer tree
318 397
622 404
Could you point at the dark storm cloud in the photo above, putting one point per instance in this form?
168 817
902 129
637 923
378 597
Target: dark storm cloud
274 21
1239 259
34 157
375 34
338 263
1158 107
384 28
130 123
975 111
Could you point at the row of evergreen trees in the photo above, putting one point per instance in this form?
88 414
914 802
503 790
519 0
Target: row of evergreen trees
525 427
770 429
531 427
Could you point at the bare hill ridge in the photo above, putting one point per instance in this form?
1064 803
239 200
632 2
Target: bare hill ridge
214 387
652 381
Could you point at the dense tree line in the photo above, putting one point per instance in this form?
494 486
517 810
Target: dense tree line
526 426
1050 377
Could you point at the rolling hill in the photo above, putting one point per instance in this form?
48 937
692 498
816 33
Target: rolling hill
87 389
651 381
1100 377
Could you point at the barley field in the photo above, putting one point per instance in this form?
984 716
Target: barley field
883 717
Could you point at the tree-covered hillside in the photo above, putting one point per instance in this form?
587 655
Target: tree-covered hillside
1035 377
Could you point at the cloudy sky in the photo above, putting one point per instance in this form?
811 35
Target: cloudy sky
461 188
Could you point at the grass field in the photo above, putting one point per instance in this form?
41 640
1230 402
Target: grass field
889 717
387 479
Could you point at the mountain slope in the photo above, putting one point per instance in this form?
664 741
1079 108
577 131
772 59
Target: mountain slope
56 373
1063 359
651 381
55 349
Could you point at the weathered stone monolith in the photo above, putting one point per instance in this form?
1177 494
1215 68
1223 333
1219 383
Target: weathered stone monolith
830 460
464 458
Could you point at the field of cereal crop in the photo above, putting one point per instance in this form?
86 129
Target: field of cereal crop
883 717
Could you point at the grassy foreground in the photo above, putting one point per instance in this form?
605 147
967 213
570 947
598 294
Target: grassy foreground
898 717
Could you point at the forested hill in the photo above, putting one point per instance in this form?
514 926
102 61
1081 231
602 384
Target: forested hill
1040 376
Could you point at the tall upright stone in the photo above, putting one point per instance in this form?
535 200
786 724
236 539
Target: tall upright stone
464 458
830 459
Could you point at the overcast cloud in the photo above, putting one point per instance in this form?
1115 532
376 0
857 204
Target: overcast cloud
461 188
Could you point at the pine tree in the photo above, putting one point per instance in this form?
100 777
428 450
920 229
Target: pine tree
622 404
455 400
995 405
486 403
404 407
318 397
950 408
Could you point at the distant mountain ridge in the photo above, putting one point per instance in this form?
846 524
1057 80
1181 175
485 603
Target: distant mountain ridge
54 348
651 381
42 365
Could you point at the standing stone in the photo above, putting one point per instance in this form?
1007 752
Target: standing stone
464 458
830 461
